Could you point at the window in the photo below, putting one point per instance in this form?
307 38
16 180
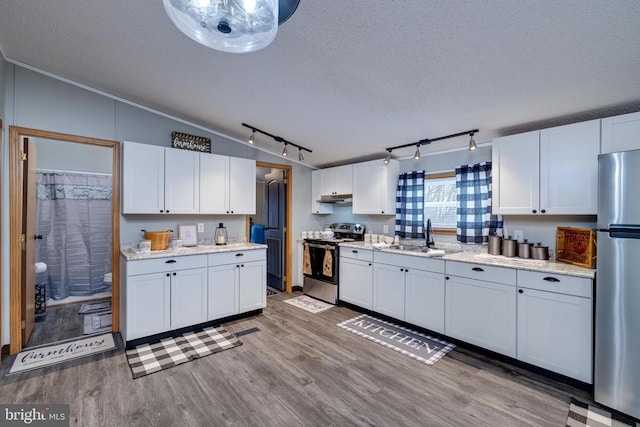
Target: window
440 201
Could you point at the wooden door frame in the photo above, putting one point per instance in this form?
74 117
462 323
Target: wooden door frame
16 134
288 241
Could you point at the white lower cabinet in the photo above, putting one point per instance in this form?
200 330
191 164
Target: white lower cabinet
482 312
555 323
424 299
237 283
162 294
148 300
356 277
389 290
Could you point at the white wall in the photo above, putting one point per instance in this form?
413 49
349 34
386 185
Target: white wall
36 101
70 156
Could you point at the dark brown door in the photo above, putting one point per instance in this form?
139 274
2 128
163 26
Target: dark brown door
274 228
29 245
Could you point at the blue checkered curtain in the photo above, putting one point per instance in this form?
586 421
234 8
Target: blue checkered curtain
410 205
475 222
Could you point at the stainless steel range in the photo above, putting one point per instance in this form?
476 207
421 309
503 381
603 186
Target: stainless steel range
321 278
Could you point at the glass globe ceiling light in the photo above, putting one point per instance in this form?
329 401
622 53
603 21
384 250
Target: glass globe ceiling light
235 26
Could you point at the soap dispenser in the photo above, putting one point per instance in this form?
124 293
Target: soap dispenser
221 235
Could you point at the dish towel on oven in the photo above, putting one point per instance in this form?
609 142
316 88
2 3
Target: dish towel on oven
327 264
306 260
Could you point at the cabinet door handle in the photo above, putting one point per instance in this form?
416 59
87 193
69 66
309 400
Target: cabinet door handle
402 269
38 237
161 211
171 261
551 279
520 291
354 251
239 254
174 274
543 211
446 278
168 274
241 265
237 265
382 211
534 211
477 269
369 263
406 270
167 210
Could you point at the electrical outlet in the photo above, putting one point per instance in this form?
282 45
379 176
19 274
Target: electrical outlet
200 228
518 235
385 229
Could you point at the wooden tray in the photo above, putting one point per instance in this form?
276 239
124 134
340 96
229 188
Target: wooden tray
576 246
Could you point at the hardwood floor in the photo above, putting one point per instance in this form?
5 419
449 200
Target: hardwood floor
299 369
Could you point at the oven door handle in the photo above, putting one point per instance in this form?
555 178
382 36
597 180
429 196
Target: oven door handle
318 246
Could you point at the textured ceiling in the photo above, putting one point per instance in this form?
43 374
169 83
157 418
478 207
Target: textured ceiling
349 78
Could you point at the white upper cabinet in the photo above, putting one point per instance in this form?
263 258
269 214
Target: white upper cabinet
181 181
317 207
159 179
569 168
336 180
553 171
227 185
214 184
242 186
143 178
515 174
621 133
374 187
168 180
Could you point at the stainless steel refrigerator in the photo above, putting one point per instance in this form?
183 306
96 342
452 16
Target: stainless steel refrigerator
617 316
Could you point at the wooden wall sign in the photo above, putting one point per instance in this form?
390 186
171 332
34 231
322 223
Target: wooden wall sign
190 142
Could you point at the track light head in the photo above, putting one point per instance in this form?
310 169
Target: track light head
300 157
472 143
388 158
416 156
252 138
284 150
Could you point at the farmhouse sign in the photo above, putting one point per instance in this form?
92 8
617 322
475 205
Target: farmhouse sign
190 142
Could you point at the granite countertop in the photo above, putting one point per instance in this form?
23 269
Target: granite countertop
130 252
480 256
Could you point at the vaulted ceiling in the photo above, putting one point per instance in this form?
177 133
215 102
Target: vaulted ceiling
349 78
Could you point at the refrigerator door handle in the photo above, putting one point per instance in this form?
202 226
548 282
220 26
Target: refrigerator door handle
625 231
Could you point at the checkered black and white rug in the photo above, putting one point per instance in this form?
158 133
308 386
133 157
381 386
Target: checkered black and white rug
582 415
147 359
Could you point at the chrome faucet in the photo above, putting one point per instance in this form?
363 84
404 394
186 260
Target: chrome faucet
428 232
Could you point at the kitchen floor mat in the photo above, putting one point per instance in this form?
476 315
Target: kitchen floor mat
95 307
411 343
582 414
146 359
309 304
96 323
39 357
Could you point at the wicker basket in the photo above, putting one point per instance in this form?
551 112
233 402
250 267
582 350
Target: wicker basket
576 246
159 239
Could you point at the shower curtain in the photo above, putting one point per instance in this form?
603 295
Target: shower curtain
73 215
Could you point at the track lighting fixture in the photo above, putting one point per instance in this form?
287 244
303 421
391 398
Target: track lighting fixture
472 143
427 141
277 139
388 158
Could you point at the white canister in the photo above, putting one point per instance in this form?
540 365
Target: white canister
367 237
176 244
317 234
374 238
304 235
145 246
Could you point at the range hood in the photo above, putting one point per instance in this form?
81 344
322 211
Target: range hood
336 198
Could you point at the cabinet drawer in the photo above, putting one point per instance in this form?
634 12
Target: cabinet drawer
237 256
409 261
158 265
482 272
558 283
355 253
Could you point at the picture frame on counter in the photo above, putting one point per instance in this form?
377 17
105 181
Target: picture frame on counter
188 234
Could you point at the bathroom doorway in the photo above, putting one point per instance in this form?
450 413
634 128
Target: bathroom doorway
66 197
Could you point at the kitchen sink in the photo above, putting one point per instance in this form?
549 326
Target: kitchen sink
410 248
